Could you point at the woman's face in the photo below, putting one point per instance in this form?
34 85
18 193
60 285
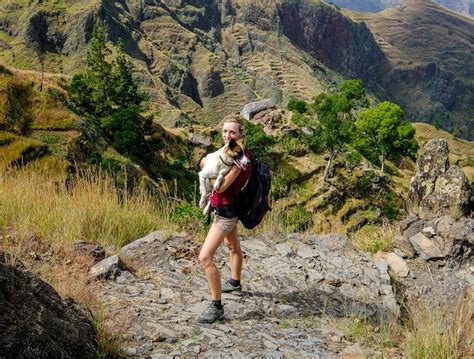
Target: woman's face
231 130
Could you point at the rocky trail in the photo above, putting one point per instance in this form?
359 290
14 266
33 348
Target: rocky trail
289 282
293 286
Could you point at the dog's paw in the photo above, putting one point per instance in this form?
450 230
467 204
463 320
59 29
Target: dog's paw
203 202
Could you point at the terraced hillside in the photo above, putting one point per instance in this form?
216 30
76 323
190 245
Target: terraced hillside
200 61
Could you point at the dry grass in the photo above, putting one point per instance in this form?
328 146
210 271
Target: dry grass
426 335
91 210
42 217
372 238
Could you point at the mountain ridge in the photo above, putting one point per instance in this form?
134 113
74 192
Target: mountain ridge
201 61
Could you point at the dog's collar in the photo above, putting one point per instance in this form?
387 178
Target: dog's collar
228 164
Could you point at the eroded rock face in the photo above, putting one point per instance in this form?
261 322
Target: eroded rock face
438 189
318 29
36 322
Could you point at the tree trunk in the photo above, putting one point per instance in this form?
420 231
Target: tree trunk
382 167
328 166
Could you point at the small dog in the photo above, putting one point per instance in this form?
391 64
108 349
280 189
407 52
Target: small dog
217 165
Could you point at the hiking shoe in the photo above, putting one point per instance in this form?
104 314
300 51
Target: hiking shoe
227 287
211 314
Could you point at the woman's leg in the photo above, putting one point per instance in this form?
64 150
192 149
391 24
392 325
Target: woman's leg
206 257
235 254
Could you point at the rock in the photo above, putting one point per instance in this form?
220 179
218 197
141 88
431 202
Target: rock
96 251
250 109
142 242
425 247
162 333
131 352
106 268
200 140
36 322
331 241
451 195
399 253
306 252
307 131
463 325
396 264
429 232
403 244
414 228
437 189
270 345
270 119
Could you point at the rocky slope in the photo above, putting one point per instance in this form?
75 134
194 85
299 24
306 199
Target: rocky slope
203 60
294 288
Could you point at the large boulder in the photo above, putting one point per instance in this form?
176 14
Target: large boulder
437 188
36 322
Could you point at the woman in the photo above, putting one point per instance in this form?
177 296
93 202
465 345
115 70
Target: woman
224 227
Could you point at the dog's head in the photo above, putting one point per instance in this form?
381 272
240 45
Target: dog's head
235 150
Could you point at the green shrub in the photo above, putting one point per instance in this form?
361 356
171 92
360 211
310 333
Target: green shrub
186 215
297 105
257 140
352 157
292 146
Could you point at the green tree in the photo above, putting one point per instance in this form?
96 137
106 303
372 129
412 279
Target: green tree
336 123
383 133
108 94
127 129
125 90
92 91
107 83
354 92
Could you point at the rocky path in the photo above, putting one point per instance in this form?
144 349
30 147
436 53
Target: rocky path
289 281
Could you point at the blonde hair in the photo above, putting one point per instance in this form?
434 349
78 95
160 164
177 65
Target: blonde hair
235 118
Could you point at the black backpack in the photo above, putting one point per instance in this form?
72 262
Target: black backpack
252 201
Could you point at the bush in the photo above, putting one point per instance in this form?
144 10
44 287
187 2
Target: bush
297 105
126 128
258 141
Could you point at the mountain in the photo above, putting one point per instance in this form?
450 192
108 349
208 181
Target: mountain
464 7
431 74
201 60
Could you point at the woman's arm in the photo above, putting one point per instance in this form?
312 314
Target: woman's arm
228 178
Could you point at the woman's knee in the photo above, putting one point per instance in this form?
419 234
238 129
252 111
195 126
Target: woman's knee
206 260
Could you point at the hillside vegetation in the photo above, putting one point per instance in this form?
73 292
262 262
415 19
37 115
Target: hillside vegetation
200 62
